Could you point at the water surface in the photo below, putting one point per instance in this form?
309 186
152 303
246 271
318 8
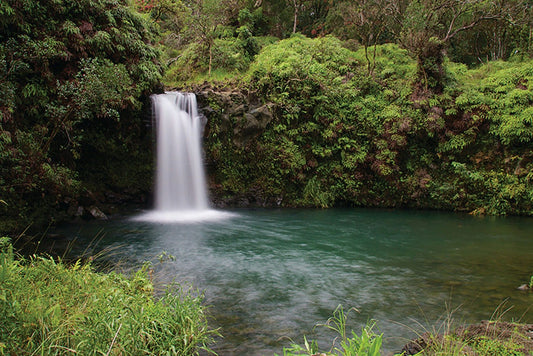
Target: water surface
271 275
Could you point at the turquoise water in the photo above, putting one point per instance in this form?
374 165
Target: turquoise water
271 275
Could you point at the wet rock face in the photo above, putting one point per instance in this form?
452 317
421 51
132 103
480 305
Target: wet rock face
237 114
233 138
252 124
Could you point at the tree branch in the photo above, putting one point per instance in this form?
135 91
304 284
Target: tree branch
472 24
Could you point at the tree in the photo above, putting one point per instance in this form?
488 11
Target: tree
278 10
365 21
297 6
205 16
497 39
429 26
313 19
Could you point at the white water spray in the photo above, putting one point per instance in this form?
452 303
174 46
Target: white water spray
180 188
180 180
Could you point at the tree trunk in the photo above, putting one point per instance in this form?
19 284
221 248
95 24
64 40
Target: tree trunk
295 16
210 59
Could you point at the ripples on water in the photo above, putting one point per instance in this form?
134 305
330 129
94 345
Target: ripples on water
270 275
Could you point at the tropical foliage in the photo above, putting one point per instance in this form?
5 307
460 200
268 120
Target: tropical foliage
342 136
74 76
367 107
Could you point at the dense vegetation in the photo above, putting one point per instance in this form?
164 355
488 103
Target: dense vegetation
74 75
369 106
50 308
387 103
342 136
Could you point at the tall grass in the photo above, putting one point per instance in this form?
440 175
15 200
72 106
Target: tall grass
367 343
490 338
448 337
50 308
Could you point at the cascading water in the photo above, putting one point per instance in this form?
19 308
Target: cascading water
180 187
180 181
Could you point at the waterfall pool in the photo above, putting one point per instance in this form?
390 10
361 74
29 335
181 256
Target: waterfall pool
272 275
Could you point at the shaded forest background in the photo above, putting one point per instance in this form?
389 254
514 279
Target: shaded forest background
388 103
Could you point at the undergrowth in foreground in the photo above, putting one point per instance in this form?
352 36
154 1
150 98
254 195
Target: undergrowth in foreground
368 343
488 338
50 308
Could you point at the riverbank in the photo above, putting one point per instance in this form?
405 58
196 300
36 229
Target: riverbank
270 275
52 308
486 338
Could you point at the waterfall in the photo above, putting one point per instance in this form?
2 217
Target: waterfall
180 185
180 179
